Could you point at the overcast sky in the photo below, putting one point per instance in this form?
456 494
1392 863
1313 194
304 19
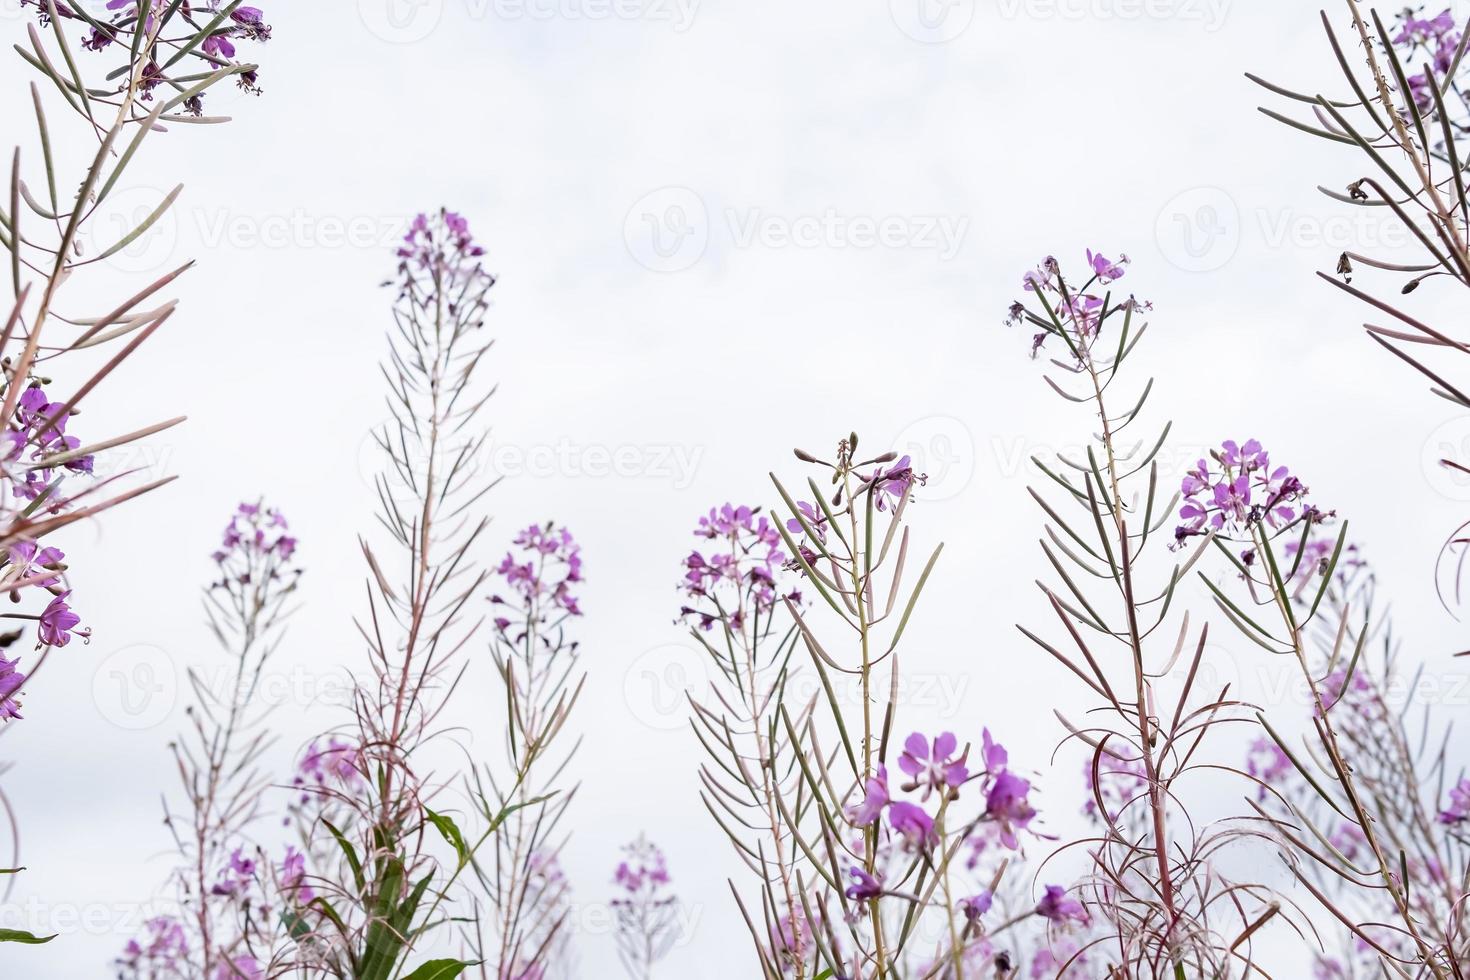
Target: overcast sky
722 229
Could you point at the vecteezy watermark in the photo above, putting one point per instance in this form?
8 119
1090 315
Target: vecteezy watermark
659 683
410 21
673 464
669 230
1201 229
1198 230
114 229
943 449
932 21
136 688
1210 13
1447 449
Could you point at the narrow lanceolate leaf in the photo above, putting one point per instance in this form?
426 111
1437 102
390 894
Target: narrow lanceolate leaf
441 969
21 936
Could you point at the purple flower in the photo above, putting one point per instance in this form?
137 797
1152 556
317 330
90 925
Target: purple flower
1105 269
1059 907
31 561
293 877
738 576
542 578
337 761
11 681
864 886
976 905
162 952
1067 310
875 798
644 870
1117 785
57 623
1235 491
1458 809
910 820
236 876
932 770
239 968
894 483
1007 805
1267 763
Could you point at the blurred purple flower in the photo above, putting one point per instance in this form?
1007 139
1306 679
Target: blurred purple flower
875 798
1059 907
910 820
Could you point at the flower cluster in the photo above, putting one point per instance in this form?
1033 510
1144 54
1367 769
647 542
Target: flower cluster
30 566
1457 810
1114 781
335 762
256 536
162 952
736 575
1236 489
1074 313
1266 763
200 29
935 766
1431 39
550 564
38 449
440 246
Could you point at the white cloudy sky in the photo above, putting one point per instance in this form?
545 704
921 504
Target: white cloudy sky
583 141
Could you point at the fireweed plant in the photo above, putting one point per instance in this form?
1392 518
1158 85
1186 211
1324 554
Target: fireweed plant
122 77
870 860
1406 111
390 889
1156 900
525 930
1412 922
230 891
645 911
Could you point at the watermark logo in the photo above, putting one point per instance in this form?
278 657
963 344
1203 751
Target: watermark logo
659 683
1198 230
401 21
942 448
136 687
932 21
667 230
1451 441
670 229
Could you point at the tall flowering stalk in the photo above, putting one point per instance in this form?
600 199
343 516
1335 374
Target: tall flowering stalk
224 883
538 664
122 78
390 884
1287 564
899 869
1401 767
737 615
645 911
1407 112
1167 909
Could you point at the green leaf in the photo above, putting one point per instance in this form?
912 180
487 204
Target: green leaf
440 970
19 936
451 833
